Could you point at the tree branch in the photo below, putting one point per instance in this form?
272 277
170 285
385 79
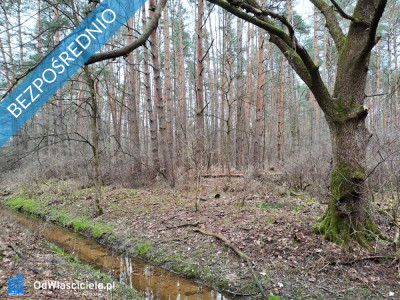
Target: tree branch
372 40
331 22
342 12
238 253
311 78
298 57
140 41
257 10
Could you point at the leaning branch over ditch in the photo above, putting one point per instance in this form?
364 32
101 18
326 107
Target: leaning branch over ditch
239 253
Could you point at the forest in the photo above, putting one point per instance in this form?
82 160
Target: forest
242 149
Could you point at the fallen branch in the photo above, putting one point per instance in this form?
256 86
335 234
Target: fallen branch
338 293
361 259
221 175
240 294
239 253
169 219
184 225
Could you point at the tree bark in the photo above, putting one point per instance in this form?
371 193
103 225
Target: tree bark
133 99
260 93
281 109
150 111
199 84
39 27
112 101
239 98
95 141
159 100
396 79
7 71
168 99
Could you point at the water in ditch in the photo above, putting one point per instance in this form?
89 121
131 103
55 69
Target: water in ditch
151 281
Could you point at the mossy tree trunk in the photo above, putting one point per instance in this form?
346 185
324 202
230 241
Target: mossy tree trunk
348 215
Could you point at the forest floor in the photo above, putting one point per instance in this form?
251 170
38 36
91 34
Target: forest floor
274 227
27 253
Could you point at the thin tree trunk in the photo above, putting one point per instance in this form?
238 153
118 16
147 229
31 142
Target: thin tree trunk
95 141
133 99
21 42
168 95
6 69
317 123
39 27
59 95
112 101
223 87
10 47
199 152
280 109
377 106
396 79
182 86
158 99
260 93
239 98
152 119
248 101
215 99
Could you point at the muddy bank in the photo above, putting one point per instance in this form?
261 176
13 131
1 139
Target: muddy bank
274 230
28 253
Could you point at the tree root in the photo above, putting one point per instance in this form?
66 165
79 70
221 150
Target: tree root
238 253
182 225
339 229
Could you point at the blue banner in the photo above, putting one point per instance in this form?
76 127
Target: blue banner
71 54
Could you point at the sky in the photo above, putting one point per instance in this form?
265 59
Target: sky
305 9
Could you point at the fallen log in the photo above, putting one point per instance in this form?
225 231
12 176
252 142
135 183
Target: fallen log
238 253
239 175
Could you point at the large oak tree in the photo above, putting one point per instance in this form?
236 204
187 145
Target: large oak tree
348 214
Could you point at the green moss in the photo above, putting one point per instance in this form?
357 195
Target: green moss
98 229
62 219
80 224
344 178
339 229
271 296
340 107
342 40
20 203
340 180
143 248
334 228
191 270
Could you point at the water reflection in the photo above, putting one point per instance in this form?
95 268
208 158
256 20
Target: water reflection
154 283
